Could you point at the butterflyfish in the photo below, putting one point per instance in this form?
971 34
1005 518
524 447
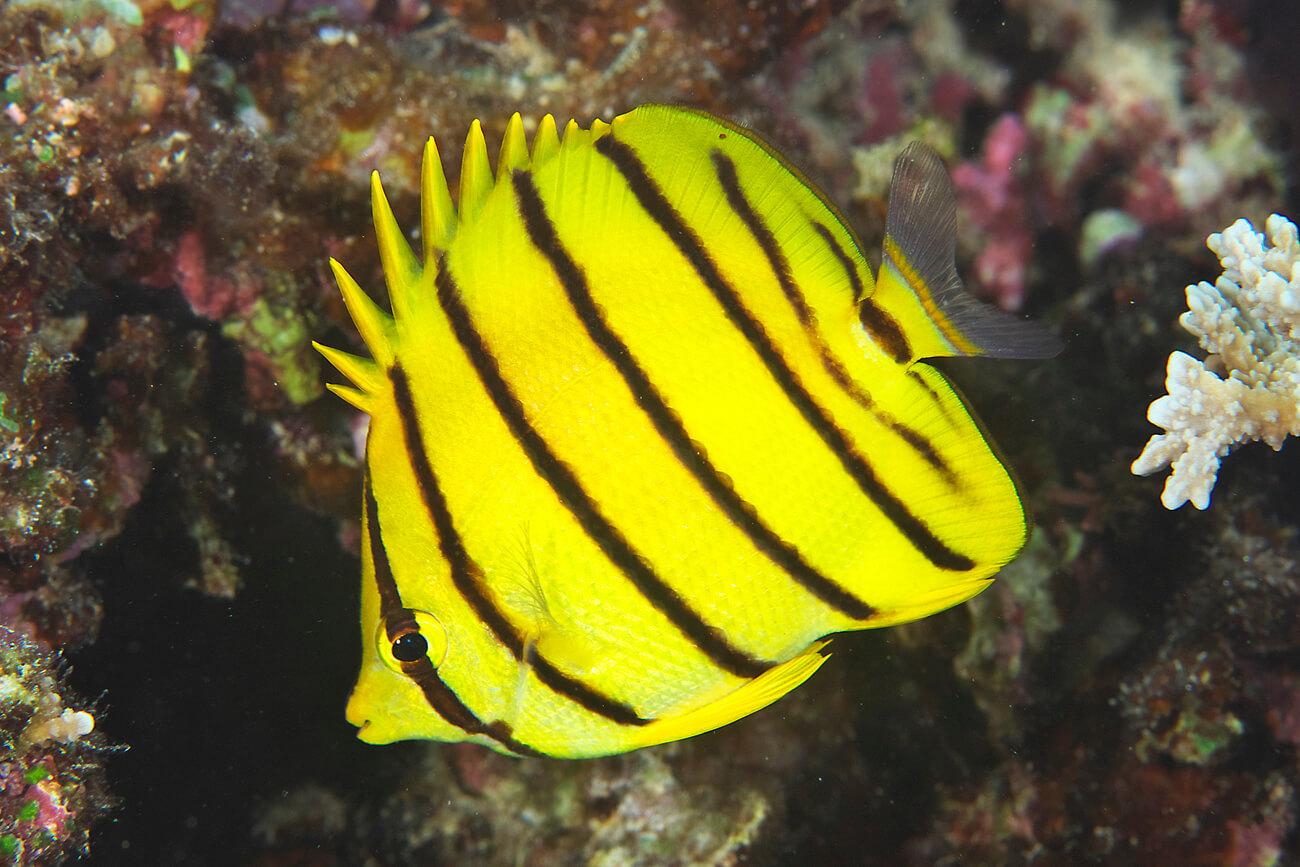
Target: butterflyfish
645 430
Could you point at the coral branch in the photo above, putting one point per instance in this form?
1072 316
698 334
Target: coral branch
1248 388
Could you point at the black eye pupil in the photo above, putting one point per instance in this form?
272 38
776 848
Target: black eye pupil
410 647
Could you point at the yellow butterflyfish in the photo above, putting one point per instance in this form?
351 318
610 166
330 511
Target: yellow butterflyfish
644 430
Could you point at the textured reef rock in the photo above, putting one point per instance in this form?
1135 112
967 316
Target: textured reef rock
178 499
712 800
52 779
1144 125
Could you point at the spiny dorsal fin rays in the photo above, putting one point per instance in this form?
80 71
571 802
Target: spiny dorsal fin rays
920 239
571 130
439 222
437 213
438 217
575 136
363 372
357 398
401 268
514 148
475 174
546 142
373 324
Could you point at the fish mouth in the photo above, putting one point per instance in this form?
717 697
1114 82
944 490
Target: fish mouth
370 733
362 729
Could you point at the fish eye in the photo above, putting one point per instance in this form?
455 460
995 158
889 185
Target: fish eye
427 640
409 647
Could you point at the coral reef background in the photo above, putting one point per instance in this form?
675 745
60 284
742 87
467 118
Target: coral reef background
178 501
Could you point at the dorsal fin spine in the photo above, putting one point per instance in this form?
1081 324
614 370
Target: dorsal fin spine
475 173
363 372
546 141
360 399
571 131
401 268
514 148
373 324
437 213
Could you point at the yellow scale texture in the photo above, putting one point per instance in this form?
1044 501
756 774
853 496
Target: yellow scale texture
538 565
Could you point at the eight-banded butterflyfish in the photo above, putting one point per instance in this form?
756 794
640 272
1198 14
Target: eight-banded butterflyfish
644 430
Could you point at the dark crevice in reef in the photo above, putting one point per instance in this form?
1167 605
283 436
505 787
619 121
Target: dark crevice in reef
220 705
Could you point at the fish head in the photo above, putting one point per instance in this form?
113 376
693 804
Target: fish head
398 690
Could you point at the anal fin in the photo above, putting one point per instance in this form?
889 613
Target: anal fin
751 696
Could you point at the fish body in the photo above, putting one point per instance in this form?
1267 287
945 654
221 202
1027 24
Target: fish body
644 430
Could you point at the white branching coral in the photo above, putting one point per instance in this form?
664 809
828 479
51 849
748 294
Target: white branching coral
1248 388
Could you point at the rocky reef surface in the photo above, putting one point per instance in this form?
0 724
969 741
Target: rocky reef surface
178 498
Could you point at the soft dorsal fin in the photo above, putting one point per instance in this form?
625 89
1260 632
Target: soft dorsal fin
918 288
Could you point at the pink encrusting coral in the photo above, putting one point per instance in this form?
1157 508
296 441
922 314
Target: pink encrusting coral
210 295
991 195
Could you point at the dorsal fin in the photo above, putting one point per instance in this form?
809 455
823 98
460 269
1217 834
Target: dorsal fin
440 220
476 178
919 269
546 141
437 213
401 269
514 148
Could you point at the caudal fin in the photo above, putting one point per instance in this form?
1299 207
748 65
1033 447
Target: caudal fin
919 294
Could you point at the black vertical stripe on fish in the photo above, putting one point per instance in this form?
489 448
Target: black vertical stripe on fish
398 620
850 269
710 640
908 434
934 395
885 330
766 240
658 207
882 327
741 513
468 578
725 168
395 616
